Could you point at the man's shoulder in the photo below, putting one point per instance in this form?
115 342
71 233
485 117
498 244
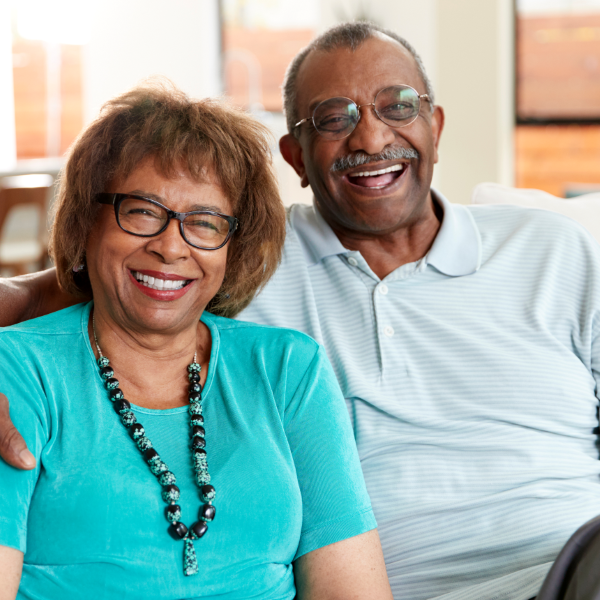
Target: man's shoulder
527 222
509 213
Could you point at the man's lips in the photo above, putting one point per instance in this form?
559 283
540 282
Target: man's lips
370 177
160 286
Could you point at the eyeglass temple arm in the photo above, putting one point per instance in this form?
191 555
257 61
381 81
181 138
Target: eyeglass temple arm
105 198
303 121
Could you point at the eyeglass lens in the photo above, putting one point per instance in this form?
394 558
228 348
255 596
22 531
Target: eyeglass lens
146 218
396 106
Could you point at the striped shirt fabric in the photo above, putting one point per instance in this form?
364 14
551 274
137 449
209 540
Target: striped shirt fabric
470 377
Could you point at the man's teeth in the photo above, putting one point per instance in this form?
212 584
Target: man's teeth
380 172
159 284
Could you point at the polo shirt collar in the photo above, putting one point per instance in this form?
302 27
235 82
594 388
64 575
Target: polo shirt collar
456 250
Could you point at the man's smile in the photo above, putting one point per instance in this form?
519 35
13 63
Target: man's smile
377 178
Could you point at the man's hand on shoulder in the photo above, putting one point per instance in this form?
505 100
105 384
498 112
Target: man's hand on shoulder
29 296
13 448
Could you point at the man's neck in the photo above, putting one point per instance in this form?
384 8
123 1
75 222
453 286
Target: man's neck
384 253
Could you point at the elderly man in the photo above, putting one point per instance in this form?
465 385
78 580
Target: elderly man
464 338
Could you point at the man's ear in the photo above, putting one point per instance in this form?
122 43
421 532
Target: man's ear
437 126
291 150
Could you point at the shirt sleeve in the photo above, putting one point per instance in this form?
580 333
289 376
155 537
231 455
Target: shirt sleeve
335 503
28 412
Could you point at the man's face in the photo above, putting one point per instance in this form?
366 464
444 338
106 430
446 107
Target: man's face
358 204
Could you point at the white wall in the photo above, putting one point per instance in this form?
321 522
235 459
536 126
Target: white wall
134 39
475 85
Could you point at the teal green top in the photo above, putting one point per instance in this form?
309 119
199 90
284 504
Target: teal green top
90 517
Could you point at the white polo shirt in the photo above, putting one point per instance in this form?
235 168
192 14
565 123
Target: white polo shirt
471 379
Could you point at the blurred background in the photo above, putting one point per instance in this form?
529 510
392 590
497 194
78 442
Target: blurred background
519 80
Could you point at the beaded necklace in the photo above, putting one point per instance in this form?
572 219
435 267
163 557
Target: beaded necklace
170 492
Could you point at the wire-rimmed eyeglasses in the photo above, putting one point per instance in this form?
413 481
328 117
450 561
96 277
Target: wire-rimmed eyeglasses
336 118
145 217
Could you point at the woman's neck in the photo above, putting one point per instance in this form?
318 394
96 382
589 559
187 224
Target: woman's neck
151 367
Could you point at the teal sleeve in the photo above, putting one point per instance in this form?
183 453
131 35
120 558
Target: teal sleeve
20 383
335 503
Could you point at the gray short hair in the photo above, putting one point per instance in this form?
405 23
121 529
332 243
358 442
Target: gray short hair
346 35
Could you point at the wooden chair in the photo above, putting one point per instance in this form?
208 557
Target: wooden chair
24 243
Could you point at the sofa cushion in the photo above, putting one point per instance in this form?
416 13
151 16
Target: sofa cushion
583 209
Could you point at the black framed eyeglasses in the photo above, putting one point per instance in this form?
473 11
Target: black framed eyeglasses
336 118
144 217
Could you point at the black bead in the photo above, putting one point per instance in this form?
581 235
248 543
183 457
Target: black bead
200 451
198 430
151 454
196 419
116 394
177 530
208 492
199 529
195 377
207 512
121 406
170 493
195 397
136 430
111 383
172 511
106 372
195 387
198 443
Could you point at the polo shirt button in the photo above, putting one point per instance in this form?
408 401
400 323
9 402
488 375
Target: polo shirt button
353 261
389 331
383 289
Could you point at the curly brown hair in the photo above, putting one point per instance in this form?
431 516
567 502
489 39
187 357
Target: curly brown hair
157 120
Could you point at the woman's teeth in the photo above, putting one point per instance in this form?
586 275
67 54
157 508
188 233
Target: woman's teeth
159 284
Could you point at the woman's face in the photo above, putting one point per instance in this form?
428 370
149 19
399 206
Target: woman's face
116 260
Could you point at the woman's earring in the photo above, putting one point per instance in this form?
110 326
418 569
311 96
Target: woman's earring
79 268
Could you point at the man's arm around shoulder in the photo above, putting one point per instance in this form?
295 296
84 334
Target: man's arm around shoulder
23 298
29 296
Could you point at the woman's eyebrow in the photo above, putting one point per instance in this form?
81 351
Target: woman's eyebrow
160 199
148 195
203 207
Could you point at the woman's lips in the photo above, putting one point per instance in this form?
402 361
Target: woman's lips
158 294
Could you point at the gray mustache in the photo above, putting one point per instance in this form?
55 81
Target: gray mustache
362 158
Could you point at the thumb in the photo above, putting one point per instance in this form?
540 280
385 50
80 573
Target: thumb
13 448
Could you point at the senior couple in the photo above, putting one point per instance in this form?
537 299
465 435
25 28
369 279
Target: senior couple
463 339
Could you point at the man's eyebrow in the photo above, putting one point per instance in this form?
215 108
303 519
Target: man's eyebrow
313 105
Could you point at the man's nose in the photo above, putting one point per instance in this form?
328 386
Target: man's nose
169 245
371 135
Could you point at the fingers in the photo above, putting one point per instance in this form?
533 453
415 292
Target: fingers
13 448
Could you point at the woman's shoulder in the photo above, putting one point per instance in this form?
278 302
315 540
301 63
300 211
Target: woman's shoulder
254 334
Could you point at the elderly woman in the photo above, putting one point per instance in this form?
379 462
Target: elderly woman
180 454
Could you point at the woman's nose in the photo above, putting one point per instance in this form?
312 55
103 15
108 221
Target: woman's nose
169 244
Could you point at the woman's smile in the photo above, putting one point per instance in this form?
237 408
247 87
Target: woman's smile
161 286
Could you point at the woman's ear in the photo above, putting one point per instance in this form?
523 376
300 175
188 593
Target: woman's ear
291 150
